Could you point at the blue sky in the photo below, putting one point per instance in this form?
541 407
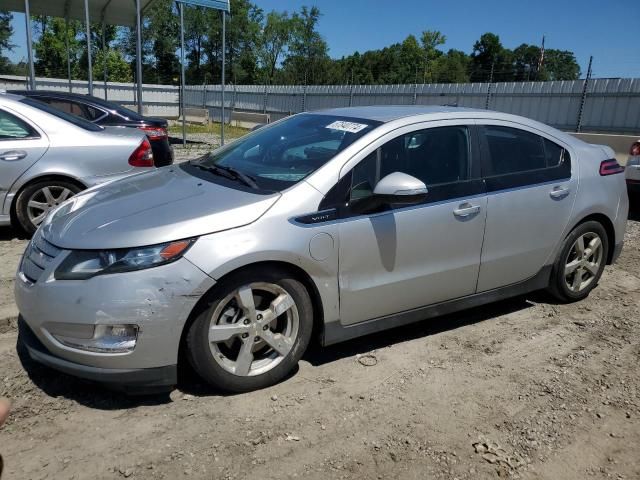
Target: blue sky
607 30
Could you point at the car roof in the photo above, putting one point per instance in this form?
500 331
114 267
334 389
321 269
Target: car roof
388 113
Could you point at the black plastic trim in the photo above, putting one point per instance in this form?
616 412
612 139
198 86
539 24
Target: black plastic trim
166 376
335 332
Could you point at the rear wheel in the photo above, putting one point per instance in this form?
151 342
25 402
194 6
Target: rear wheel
580 263
37 200
253 333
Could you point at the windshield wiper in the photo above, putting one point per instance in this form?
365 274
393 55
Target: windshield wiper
243 177
228 172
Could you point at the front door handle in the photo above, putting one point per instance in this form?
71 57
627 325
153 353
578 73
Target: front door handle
466 210
559 192
12 155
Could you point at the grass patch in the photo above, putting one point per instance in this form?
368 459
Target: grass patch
230 132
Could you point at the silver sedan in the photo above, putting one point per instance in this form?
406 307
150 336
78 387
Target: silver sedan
332 224
47 156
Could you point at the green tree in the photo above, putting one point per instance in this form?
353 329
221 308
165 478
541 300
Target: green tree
488 52
560 65
431 40
118 70
50 47
163 33
308 52
451 68
6 30
274 42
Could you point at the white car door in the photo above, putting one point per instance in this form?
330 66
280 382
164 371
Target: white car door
531 190
404 257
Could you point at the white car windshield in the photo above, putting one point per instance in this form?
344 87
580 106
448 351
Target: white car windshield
277 156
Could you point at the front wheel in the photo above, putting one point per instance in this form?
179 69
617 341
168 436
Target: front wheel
580 263
254 331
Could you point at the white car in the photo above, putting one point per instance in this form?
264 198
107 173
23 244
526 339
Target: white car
633 168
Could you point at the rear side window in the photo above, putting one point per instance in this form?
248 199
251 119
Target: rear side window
77 121
513 150
12 128
514 157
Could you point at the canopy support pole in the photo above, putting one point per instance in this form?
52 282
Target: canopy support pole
224 49
89 66
66 43
32 72
139 55
104 55
182 113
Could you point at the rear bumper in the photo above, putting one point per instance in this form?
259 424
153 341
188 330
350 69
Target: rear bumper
141 378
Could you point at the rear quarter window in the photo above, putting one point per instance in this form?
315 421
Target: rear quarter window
73 119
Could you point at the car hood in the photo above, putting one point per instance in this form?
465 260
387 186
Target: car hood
155 207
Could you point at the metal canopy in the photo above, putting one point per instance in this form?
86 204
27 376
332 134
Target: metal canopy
116 12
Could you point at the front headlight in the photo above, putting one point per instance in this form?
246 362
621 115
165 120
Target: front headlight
84 264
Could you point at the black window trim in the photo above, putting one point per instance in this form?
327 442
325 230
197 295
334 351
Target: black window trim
34 134
524 178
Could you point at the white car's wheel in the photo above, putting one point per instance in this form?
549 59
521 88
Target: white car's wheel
254 331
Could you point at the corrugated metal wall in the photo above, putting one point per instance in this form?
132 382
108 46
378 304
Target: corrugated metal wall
611 105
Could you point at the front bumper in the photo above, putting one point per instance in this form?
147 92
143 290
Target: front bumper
158 300
141 378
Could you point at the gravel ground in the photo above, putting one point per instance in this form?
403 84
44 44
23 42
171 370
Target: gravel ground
519 389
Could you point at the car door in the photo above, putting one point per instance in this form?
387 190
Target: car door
21 145
404 257
530 193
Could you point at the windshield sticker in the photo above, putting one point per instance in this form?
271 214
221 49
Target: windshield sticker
289 177
350 127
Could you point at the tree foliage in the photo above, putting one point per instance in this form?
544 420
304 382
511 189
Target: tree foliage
276 47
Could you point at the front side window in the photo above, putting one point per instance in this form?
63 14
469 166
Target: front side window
438 156
276 157
12 128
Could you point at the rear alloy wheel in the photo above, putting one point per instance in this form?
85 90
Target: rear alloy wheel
581 262
253 333
37 200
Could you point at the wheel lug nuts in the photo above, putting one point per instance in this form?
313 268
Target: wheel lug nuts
245 335
265 328
259 317
247 321
256 339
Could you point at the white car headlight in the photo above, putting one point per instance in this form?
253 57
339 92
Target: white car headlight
84 264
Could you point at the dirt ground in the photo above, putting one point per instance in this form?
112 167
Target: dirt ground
519 389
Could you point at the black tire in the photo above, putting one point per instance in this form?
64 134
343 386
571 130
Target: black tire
558 286
22 214
197 342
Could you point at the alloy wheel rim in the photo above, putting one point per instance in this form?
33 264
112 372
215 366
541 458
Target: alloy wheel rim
253 329
42 201
583 262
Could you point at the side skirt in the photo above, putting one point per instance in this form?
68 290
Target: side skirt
335 332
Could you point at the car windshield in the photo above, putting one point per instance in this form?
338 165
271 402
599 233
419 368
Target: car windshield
77 121
276 157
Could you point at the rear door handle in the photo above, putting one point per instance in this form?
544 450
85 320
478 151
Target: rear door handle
559 192
466 210
12 155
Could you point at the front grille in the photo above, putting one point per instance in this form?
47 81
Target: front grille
37 257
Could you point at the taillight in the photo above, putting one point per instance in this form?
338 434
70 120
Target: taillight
635 149
610 167
142 156
155 133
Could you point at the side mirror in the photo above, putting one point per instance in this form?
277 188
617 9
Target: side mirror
400 188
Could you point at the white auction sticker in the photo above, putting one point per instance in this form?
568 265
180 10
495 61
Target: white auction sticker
350 127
